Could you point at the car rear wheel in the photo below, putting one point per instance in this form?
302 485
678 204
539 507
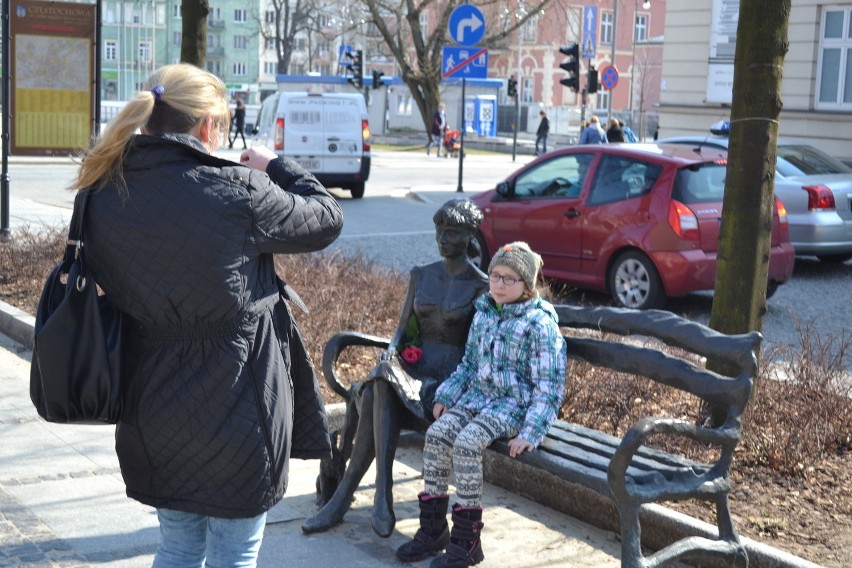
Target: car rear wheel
477 250
357 190
834 258
634 282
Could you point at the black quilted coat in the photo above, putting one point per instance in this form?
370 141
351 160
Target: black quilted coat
214 364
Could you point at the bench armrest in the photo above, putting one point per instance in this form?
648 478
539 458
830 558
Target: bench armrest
335 347
688 482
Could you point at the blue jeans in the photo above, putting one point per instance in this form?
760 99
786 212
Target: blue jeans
187 539
543 141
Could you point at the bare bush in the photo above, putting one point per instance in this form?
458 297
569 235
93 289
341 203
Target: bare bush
802 407
801 410
26 258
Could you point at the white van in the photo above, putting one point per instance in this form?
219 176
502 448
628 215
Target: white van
328 134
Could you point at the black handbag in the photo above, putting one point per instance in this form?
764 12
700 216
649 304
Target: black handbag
75 375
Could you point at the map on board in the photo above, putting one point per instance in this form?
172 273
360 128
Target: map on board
47 62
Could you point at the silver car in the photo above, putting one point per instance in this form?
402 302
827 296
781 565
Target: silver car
816 190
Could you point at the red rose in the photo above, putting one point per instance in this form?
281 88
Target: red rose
411 354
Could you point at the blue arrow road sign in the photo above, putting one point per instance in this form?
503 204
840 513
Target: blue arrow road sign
589 43
464 62
467 25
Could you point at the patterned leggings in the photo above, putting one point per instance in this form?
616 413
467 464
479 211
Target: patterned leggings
457 440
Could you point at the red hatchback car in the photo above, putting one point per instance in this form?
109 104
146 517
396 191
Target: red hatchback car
640 221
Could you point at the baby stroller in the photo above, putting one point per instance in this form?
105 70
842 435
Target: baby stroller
452 143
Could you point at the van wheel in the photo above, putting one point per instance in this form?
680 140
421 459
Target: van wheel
357 190
634 282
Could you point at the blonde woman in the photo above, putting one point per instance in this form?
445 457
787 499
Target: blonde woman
182 242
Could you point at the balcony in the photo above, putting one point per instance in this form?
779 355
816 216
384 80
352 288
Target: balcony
215 24
215 51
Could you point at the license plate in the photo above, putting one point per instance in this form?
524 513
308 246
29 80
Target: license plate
309 164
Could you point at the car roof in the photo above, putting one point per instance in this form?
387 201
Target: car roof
682 154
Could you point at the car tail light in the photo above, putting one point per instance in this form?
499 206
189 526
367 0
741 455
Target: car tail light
279 134
783 222
366 137
819 197
683 221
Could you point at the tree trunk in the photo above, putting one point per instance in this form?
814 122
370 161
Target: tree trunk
742 264
193 45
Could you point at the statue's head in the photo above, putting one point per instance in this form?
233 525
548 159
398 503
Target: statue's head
462 213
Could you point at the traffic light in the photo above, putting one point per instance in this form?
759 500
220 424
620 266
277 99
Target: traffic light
571 65
593 79
512 87
377 79
357 78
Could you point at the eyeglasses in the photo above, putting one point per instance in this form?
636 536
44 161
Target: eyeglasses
506 280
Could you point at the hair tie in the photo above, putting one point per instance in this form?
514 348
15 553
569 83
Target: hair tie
158 92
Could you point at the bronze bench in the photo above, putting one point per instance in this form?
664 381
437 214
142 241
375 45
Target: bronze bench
625 472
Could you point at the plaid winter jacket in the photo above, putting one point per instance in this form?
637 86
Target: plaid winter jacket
513 368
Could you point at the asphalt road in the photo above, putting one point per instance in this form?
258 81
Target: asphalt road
392 225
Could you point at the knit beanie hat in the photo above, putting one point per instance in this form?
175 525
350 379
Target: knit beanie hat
519 257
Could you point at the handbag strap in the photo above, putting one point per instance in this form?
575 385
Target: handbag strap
74 244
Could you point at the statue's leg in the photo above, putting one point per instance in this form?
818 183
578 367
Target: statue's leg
363 453
388 413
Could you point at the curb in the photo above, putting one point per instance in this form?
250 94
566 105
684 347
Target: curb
660 525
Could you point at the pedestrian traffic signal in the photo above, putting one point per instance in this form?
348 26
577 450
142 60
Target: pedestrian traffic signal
593 79
377 79
571 65
357 78
512 87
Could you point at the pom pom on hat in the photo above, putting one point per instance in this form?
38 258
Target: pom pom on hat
522 259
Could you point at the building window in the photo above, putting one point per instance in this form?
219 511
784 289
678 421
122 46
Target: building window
177 38
240 16
240 42
269 43
240 69
110 50
145 51
602 102
270 16
322 21
322 47
834 82
300 45
528 30
527 85
606 27
640 31
176 11
270 67
424 25
214 67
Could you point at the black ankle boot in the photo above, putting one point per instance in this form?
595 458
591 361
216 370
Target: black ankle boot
433 534
465 548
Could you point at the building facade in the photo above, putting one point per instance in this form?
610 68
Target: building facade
816 89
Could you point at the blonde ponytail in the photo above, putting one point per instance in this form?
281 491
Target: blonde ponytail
103 161
190 94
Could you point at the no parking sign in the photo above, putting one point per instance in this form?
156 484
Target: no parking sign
609 77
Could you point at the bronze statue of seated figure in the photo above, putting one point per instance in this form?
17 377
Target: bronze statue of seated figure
398 393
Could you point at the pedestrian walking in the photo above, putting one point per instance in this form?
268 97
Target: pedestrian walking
509 384
541 134
182 242
593 133
439 125
239 124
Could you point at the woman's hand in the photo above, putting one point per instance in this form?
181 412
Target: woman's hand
438 410
257 157
517 446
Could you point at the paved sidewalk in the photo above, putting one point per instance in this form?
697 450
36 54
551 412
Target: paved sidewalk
62 503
